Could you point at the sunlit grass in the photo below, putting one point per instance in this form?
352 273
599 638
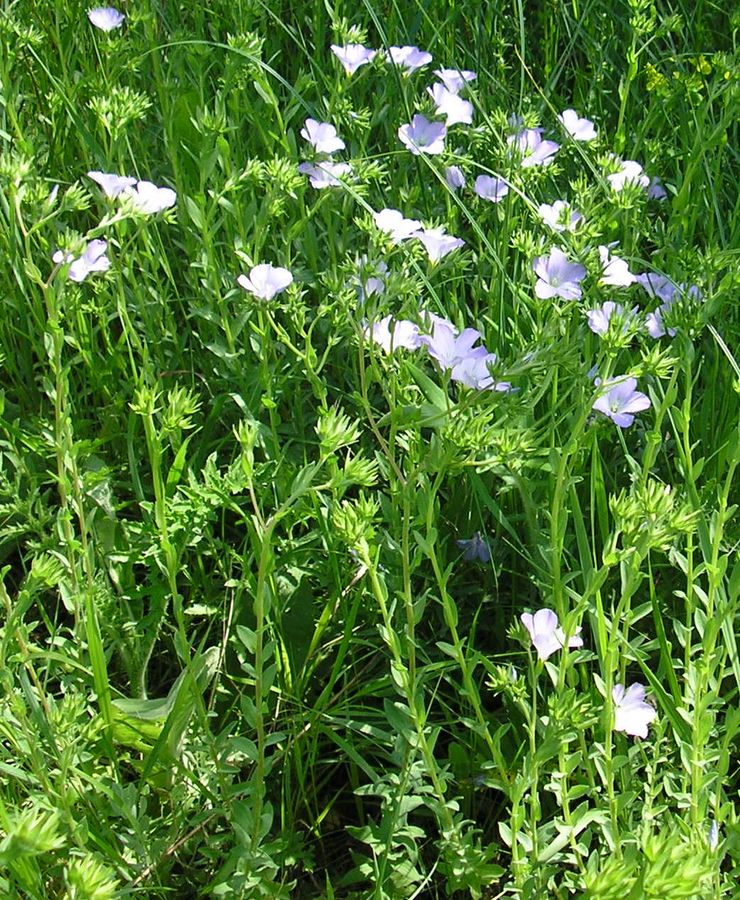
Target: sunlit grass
369 452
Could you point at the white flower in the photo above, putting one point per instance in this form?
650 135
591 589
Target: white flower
325 174
423 136
438 243
409 58
448 104
106 18
546 634
631 713
393 223
150 199
92 260
352 56
401 333
455 79
112 185
266 280
322 136
615 272
579 129
559 216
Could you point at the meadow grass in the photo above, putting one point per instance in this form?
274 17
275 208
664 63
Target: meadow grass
306 593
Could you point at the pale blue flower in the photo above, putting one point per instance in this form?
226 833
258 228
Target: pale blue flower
455 178
556 277
325 174
52 198
615 271
92 260
713 835
657 286
112 185
490 188
150 199
533 149
438 243
409 58
630 172
448 347
599 318
423 136
559 216
370 278
546 634
475 549
621 401
322 136
106 18
579 129
352 56
656 191
455 79
392 222
390 335
144 196
654 324
474 371
516 122
266 280
448 104
661 288
431 320
632 714
372 285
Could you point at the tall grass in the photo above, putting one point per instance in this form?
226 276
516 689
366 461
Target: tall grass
248 648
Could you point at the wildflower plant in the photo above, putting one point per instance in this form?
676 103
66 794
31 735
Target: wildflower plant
352 56
531 149
632 714
580 129
322 136
368 452
423 136
409 58
491 188
475 548
93 259
105 18
620 401
546 634
558 277
266 280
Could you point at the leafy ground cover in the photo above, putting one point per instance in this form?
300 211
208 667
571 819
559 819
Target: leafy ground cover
368 437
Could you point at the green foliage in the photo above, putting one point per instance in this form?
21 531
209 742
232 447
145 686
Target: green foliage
261 580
